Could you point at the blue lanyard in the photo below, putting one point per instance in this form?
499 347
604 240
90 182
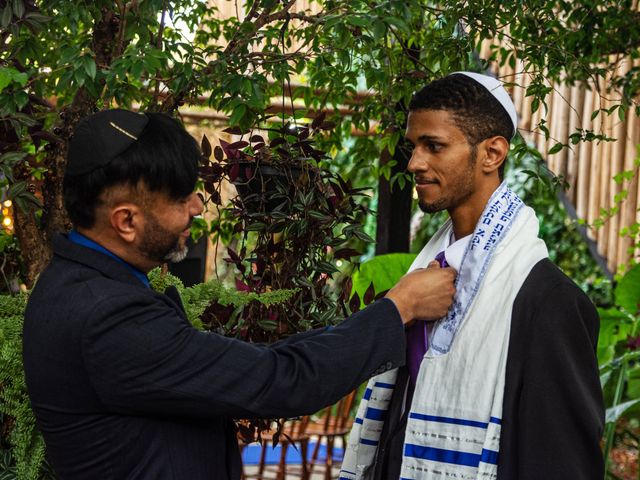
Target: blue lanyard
80 239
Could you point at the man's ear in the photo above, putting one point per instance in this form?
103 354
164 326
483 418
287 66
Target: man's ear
126 221
495 150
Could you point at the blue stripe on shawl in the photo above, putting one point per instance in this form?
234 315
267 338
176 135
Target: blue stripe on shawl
375 414
495 420
443 456
455 421
451 456
369 442
367 394
489 456
358 421
384 385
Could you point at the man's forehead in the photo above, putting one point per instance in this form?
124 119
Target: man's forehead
431 124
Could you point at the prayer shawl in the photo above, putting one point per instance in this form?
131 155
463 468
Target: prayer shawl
453 429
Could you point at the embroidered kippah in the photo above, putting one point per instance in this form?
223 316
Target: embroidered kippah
495 88
101 137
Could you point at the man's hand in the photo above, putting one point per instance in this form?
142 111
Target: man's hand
424 294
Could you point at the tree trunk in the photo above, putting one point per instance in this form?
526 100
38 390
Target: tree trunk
394 208
35 236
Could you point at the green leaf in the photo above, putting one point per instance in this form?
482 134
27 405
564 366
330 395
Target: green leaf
21 99
237 114
614 413
38 17
378 29
8 74
16 190
363 236
12 157
89 66
7 15
18 8
384 271
268 325
358 21
398 23
627 293
556 148
256 227
5 77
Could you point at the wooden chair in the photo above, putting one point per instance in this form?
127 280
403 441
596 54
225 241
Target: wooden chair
335 421
294 434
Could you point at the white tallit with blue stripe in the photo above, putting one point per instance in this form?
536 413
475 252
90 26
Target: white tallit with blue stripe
453 429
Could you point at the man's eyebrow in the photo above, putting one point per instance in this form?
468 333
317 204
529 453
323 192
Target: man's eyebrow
430 138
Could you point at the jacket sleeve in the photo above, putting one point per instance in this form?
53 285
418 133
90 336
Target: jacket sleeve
554 414
143 357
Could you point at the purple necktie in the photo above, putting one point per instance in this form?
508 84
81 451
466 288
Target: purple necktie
418 338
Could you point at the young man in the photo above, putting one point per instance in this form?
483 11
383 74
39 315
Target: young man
506 385
121 385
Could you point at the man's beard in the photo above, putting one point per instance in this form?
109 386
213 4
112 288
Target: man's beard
459 191
160 245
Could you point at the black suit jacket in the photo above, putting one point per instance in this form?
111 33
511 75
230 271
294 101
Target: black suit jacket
124 388
553 413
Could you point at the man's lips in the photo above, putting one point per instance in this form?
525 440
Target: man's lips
425 182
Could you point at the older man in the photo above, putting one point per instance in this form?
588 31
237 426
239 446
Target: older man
121 385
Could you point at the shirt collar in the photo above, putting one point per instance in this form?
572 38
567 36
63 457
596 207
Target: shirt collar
80 239
454 249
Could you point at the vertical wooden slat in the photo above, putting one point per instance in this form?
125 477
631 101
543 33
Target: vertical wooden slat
525 105
616 159
562 117
628 210
575 120
605 156
596 166
583 180
548 115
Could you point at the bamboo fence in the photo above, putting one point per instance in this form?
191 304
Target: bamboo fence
589 168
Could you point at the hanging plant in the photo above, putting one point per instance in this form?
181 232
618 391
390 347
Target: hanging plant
295 219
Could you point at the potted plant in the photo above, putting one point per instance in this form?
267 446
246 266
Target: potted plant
293 218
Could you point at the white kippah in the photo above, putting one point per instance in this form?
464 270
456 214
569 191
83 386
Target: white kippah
494 86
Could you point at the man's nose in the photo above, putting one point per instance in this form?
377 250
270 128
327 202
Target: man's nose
416 163
196 206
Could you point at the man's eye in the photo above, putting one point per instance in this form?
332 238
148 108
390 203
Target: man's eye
434 147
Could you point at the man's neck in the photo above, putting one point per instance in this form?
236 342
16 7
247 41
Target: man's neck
124 252
465 217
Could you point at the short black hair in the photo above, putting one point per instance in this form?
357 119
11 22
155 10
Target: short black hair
165 158
476 112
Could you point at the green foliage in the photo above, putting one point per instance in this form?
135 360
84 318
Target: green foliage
293 219
383 272
619 356
197 298
27 445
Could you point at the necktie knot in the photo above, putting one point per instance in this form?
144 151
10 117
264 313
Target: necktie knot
441 260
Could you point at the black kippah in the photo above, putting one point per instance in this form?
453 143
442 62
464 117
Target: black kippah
101 137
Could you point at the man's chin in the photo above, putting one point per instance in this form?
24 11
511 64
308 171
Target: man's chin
177 255
432 207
